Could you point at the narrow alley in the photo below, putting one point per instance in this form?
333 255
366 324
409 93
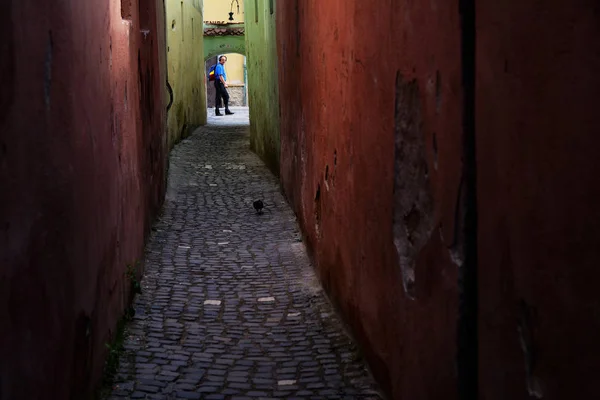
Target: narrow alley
230 306
429 172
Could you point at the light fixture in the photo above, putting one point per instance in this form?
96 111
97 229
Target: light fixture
231 9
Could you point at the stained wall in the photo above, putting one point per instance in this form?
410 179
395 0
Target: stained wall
185 63
263 88
370 96
83 151
372 143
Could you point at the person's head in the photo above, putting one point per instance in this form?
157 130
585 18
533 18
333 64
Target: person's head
222 59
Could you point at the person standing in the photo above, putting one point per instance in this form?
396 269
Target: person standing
221 87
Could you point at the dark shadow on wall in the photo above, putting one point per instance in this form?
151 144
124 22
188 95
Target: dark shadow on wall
210 88
85 177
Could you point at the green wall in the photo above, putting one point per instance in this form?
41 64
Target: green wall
215 45
263 91
185 63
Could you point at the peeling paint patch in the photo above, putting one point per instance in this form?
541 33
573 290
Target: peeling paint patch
318 211
413 202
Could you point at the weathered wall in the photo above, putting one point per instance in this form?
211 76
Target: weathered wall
370 160
185 31
226 44
236 95
262 85
375 177
82 171
538 189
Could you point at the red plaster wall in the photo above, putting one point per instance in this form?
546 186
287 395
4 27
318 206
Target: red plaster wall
538 86
82 172
339 64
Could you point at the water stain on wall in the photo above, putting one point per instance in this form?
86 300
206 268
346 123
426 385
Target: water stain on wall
413 202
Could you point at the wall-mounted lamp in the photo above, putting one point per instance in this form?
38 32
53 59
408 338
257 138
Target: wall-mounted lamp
231 9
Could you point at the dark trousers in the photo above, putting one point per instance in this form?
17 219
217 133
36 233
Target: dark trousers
221 92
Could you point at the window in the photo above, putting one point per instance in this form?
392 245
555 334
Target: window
126 9
271 6
144 14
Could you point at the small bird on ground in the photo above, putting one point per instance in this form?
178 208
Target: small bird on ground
258 206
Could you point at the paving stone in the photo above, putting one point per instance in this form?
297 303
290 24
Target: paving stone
185 386
188 395
219 396
148 389
230 305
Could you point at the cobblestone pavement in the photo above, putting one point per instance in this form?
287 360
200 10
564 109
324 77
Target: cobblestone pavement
239 118
230 307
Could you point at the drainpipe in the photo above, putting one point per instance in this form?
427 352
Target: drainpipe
245 90
169 88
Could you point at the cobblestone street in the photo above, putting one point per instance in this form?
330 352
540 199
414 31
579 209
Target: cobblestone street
230 306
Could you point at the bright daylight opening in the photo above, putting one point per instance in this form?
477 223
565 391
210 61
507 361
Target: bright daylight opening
227 81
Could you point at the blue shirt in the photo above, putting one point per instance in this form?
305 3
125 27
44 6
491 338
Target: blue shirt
220 71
